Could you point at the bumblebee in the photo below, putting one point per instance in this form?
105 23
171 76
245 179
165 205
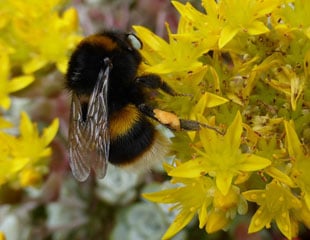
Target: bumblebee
110 119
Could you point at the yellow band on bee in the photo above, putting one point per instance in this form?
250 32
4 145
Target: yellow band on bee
103 41
123 120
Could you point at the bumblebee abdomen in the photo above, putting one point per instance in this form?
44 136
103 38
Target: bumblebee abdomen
131 135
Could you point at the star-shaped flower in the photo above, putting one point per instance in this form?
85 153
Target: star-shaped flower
275 203
221 157
191 198
22 156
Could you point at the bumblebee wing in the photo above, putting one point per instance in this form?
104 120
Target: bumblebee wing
97 118
89 138
79 161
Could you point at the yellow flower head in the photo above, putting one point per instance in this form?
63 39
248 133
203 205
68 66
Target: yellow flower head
179 55
294 17
30 144
275 202
41 35
225 19
248 16
221 158
193 197
257 54
24 155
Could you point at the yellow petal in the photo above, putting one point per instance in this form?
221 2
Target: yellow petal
18 83
45 153
223 181
214 100
25 127
293 143
190 169
62 65
35 64
257 27
181 220
154 45
164 196
70 16
208 100
284 224
227 34
279 175
233 134
253 195
203 214
12 166
259 220
50 132
251 162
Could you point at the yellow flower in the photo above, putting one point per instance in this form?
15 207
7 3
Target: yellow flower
41 35
275 202
300 160
294 18
25 152
244 16
191 198
53 46
181 54
30 144
9 86
221 158
200 26
225 19
199 196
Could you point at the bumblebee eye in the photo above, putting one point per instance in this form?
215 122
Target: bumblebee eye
134 41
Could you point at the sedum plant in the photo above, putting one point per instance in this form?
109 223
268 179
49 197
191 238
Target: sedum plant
243 67
27 47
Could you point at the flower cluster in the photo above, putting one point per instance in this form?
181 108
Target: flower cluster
23 158
242 67
33 35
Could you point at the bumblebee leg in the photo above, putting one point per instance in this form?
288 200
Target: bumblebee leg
172 121
166 118
155 82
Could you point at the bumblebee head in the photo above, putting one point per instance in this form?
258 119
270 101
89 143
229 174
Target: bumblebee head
88 58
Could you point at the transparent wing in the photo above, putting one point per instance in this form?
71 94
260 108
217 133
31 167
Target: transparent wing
89 139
